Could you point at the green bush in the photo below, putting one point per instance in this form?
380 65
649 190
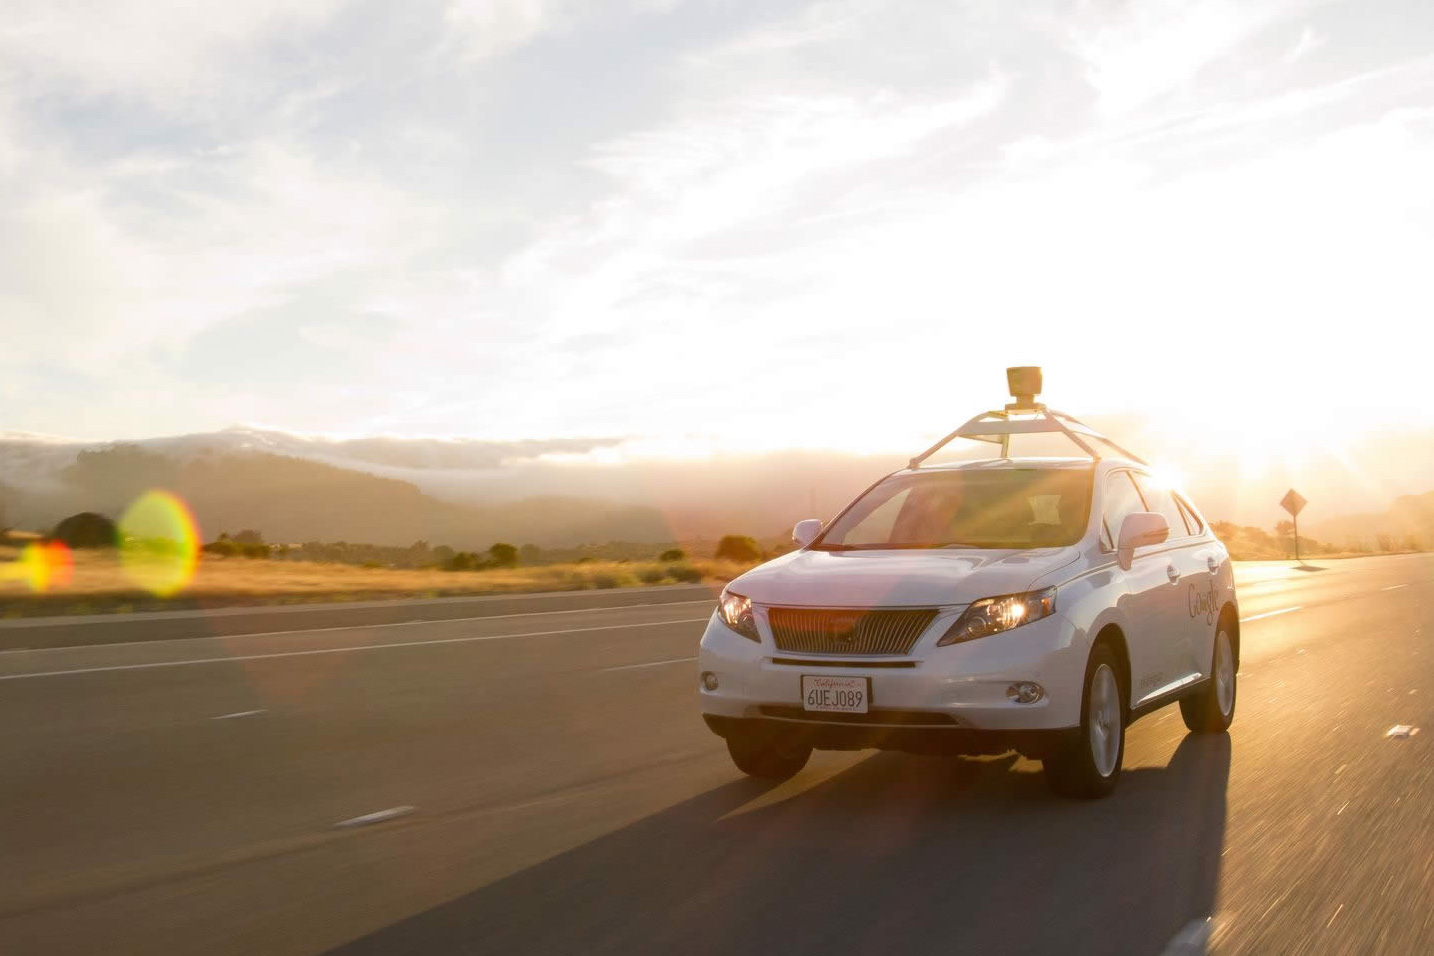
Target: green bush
503 556
606 581
738 547
652 575
673 554
86 530
685 573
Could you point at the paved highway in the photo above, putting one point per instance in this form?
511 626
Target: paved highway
199 784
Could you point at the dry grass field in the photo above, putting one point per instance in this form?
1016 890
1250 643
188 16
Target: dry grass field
99 582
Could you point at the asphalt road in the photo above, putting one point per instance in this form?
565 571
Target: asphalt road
183 795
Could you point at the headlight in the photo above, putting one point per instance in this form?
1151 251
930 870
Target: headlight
993 615
736 612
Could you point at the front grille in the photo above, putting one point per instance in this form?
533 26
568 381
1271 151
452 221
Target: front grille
805 630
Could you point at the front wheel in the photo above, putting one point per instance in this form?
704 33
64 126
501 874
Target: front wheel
1089 766
767 757
1213 709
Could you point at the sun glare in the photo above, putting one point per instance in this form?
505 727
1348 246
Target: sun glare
159 547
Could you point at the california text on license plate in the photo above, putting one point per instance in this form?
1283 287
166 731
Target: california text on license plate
842 695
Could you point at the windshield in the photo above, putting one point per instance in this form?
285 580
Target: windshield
1000 508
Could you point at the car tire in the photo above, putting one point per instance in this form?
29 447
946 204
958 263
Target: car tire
767 757
1088 766
1212 709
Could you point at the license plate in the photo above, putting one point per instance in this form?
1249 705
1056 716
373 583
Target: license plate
836 695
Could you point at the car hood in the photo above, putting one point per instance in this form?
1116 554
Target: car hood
924 578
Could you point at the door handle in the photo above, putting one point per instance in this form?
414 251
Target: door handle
1212 564
1172 572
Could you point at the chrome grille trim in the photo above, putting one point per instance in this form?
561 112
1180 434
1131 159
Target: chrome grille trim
848 631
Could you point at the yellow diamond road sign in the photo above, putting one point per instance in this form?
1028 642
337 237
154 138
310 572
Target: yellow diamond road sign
1293 502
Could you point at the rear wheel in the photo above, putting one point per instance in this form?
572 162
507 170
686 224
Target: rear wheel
1213 709
1089 766
767 757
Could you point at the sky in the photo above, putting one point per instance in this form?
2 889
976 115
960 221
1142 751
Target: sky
688 223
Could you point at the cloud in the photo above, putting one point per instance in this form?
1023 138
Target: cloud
492 27
1148 49
1308 43
158 51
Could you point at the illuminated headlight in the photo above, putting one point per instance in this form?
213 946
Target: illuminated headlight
736 612
993 615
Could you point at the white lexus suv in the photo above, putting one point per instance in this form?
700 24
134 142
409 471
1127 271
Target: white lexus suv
1029 604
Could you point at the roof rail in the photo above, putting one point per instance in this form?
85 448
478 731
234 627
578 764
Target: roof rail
1025 416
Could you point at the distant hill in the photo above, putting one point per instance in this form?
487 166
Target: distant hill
1410 520
568 492
294 500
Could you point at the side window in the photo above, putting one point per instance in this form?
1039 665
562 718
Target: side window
1162 503
1191 518
1121 499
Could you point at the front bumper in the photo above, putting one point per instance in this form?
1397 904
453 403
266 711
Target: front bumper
936 698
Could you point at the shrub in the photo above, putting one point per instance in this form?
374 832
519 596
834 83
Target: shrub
224 548
738 547
86 530
652 575
606 581
503 555
685 573
673 554
253 549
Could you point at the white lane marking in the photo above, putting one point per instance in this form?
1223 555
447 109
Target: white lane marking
1334 917
353 627
309 607
242 713
339 650
633 667
1192 940
377 817
1401 730
1393 587
1283 610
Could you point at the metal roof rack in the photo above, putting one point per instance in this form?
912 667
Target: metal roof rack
1025 416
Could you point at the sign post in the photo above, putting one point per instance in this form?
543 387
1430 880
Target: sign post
1294 503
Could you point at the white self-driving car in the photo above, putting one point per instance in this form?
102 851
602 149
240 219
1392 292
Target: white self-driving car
1029 604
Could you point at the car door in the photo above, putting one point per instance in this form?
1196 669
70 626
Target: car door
1146 604
1187 593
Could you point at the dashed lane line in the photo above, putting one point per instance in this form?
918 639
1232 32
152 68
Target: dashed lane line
1283 610
633 667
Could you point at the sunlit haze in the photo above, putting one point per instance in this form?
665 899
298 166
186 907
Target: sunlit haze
706 228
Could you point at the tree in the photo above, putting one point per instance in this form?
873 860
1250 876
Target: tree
86 530
248 536
738 547
673 554
503 555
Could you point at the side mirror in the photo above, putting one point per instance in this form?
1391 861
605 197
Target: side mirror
1139 529
806 532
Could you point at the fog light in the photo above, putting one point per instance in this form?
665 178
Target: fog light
709 680
1025 692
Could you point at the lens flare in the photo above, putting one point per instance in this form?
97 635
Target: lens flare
43 565
159 543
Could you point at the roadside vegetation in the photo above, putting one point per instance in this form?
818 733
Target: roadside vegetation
95 563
